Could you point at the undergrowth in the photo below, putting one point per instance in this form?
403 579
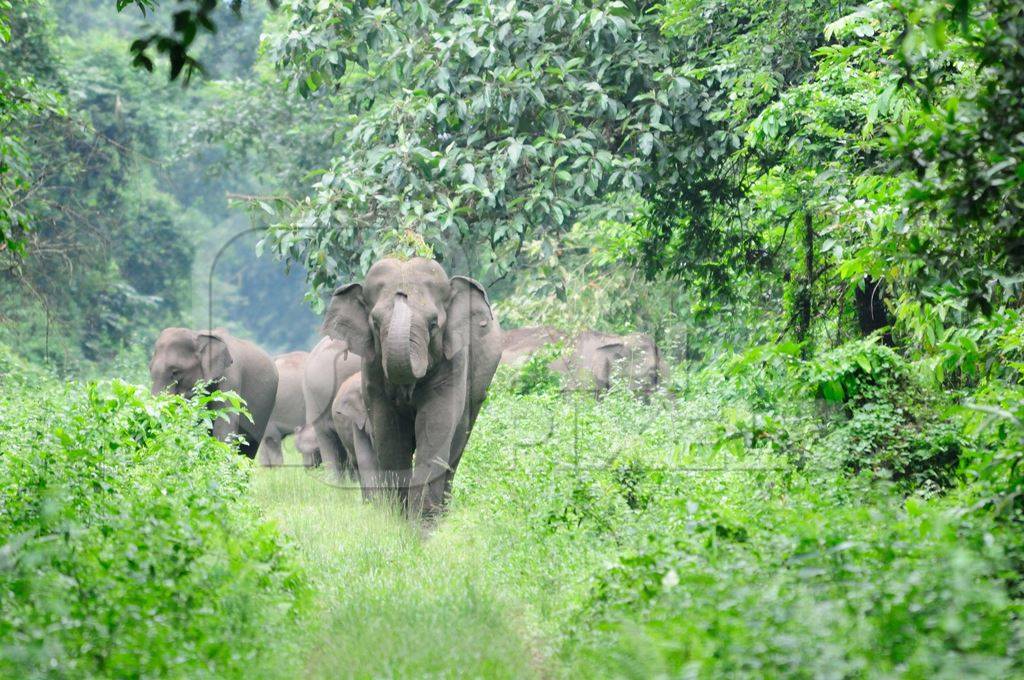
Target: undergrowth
129 545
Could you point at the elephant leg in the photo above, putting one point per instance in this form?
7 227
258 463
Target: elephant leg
270 454
435 433
459 441
332 454
225 426
366 463
249 446
393 444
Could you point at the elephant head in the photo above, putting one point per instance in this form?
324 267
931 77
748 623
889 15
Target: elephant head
183 357
643 360
634 358
406 315
307 445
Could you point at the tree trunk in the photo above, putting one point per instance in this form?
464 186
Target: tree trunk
804 297
871 312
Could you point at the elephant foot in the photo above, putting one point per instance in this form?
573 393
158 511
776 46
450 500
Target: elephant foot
426 527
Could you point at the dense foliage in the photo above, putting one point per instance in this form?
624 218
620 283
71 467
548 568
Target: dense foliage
111 227
710 546
130 544
814 206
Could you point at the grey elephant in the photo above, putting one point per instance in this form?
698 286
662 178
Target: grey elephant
352 425
519 344
183 357
430 345
306 443
597 359
289 407
330 364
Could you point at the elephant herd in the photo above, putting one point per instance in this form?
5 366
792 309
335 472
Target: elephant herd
390 395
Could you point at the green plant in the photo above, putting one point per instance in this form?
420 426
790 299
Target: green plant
857 373
130 546
536 375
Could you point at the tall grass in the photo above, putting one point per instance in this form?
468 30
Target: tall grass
622 539
692 537
392 603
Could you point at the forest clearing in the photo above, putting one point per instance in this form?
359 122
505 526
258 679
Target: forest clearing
511 339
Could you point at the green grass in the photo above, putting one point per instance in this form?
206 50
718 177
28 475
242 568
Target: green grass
580 543
391 602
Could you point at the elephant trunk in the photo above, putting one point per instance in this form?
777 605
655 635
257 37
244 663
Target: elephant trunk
405 349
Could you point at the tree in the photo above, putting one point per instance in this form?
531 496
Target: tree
177 44
964 60
22 102
87 186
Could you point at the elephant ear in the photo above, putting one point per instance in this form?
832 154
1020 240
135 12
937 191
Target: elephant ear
348 320
352 409
615 349
468 309
214 355
611 352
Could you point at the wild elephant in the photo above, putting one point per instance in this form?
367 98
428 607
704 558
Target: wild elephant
306 443
289 407
183 357
597 359
329 364
352 425
430 345
519 344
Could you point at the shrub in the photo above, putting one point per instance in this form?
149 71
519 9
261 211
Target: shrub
532 377
913 448
805 587
857 373
890 424
128 545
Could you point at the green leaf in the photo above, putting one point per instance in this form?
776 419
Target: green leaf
864 362
832 390
646 143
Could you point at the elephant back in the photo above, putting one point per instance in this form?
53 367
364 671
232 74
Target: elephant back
329 364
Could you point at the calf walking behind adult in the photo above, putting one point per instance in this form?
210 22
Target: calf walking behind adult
429 345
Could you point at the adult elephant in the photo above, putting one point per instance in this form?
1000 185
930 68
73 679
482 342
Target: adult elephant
597 359
430 345
289 407
183 357
329 364
519 344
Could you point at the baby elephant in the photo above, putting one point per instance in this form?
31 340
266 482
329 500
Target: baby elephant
183 357
352 425
307 445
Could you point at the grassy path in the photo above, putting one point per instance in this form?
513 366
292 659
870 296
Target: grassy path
604 540
390 603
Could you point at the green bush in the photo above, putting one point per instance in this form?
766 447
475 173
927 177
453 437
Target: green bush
995 415
889 422
856 373
534 376
128 545
673 539
813 591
